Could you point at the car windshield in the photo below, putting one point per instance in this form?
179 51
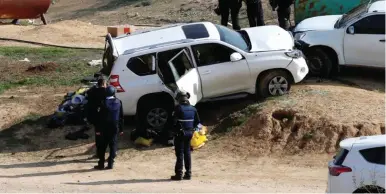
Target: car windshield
357 11
232 37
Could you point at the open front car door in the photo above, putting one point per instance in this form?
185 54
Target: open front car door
186 75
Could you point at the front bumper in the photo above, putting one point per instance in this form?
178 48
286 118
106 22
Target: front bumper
298 68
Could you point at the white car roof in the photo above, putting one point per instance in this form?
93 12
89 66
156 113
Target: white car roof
363 142
377 6
171 33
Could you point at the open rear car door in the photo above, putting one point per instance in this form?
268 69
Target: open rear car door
109 56
186 75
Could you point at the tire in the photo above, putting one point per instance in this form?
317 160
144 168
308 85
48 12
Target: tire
319 62
273 83
154 115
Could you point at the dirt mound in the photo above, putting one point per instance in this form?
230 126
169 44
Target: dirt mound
45 67
288 131
312 119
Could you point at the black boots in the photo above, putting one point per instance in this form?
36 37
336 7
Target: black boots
109 166
179 177
99 167
187 177
176 178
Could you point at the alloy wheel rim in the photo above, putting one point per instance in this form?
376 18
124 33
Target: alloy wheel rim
278 86
157 117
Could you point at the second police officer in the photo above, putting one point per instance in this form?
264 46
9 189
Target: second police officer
111 119
185 120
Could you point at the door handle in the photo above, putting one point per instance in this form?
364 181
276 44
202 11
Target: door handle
383 40
206 72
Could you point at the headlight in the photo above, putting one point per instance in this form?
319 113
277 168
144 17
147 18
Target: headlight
299 35
294 54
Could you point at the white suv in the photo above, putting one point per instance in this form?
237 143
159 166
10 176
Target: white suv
356 38
208 61
359 167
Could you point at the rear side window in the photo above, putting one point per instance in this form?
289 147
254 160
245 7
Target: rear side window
374 155
142 65
195 31
339 158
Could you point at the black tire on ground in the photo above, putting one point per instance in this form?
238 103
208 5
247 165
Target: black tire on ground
146 110
273 83
319 62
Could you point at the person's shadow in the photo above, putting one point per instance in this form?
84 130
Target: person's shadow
48 173
112 182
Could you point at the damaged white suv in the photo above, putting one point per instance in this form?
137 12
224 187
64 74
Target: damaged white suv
208 61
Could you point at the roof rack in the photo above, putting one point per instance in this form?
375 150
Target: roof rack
131 51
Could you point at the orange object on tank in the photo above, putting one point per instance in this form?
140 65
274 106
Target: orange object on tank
23 9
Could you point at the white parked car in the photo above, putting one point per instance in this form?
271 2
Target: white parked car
356 38
359 167
208 61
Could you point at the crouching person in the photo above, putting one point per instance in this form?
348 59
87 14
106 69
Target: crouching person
111 118
185 120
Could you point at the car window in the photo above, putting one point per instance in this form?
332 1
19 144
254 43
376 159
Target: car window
195 31
163 59
374 24
339 158
374 155
180 64
232 37
142 65
353 13
205 55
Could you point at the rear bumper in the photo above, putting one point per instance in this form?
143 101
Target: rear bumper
298 68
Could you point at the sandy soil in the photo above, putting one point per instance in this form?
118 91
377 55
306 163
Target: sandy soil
65 33
148 171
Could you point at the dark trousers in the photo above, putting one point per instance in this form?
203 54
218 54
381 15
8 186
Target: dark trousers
102 142
283 14
182 149
255 14
234 7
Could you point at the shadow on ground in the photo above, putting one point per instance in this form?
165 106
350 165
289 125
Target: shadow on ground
116 182
371 79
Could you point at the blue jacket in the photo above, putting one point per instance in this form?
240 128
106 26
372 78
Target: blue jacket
112 115
187 116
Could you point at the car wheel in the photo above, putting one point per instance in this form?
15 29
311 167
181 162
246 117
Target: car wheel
154 116
319 62
273 83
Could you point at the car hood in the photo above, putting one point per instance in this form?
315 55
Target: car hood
318 23
268 38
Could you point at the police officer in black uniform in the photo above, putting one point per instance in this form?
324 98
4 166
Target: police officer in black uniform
95 95
111 116
255 13
283 11
234 6
185 120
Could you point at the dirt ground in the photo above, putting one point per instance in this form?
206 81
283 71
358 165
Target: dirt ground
279 145
83 23
149 171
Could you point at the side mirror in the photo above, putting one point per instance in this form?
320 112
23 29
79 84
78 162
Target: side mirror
351 30
236 57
